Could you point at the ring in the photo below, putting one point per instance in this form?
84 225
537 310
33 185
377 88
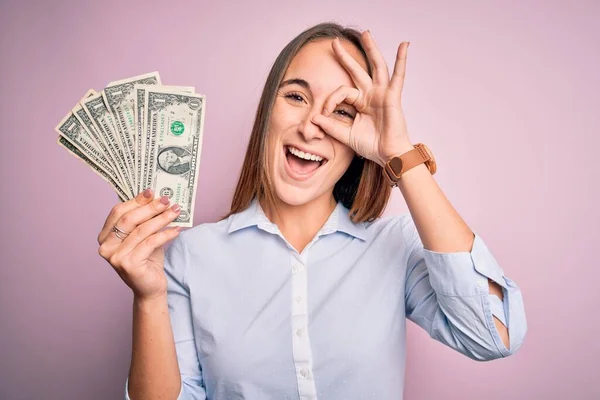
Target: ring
120 233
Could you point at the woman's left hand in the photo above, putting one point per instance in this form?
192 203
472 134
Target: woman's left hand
378 131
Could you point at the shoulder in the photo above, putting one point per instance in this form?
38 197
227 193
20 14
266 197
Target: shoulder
387 226
206 234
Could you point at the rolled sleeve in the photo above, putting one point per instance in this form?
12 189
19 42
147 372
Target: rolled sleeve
448 295
497 307
464 273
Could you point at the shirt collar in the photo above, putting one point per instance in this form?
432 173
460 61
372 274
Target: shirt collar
339 220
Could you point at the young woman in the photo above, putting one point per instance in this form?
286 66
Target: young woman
303 290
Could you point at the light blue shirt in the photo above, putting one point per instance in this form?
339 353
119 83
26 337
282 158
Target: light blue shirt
254 319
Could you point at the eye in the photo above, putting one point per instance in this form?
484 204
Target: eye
294 96
344 113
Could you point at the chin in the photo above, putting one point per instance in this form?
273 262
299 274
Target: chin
294 195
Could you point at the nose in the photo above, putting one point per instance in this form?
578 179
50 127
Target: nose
308 129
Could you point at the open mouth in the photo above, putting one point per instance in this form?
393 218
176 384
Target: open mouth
302 163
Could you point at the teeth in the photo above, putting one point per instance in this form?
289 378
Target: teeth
306 156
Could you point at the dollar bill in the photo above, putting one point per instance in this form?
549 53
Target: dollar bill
87 123
174 126
103 121
87 94
61 141
140 104
119 97
73 131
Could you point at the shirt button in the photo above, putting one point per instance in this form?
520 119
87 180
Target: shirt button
298 299
305 373
299 332
482 283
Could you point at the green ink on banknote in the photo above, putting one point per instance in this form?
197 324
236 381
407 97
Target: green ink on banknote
177 128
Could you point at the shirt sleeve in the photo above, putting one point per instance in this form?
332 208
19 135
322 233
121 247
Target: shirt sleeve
447 294
178 296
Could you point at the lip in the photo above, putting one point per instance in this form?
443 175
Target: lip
295 175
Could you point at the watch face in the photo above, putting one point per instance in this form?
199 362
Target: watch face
396 166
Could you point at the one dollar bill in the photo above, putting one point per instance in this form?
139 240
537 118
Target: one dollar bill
119 97
141 143
174 122
62 142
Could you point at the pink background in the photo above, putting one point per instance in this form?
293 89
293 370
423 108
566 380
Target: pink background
506 95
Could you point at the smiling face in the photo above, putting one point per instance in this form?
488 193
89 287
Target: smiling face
305 162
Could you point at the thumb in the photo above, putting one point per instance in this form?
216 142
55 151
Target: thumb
337 130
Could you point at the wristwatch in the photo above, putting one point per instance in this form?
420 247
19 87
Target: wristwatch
398 165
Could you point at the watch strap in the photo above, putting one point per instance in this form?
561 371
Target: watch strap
398 165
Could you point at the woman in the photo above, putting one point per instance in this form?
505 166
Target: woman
302 291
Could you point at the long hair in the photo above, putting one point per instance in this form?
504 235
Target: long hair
362 189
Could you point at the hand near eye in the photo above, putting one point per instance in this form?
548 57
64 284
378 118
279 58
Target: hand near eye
378 131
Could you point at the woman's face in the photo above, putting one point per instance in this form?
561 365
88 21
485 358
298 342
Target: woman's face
306 162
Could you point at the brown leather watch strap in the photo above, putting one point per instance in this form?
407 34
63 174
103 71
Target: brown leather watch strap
398 165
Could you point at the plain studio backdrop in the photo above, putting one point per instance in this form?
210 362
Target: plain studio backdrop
506 94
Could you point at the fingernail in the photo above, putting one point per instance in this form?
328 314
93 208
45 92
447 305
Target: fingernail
176 208
147 193
164 200
408 45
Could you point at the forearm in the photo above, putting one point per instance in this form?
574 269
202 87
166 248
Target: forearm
154 372
440 227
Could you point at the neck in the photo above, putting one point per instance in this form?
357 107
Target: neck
300 223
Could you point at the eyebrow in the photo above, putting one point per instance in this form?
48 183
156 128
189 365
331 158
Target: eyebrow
295 81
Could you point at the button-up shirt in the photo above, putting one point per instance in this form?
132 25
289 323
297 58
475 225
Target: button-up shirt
254 319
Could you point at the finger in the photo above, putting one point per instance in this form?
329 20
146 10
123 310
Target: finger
117 211
335 129
151 243
342 94
381 74
360 77
130 221
397 81
149 228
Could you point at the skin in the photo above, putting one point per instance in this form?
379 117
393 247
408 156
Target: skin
312 76
337 81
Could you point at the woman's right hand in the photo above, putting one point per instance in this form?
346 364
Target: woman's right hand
138 258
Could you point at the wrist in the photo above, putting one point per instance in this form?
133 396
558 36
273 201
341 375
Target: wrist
396 150
150 303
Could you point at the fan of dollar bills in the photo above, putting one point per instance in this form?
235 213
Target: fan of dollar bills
138 134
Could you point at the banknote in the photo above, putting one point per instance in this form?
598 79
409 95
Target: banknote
73 131
141 141
119 97
138 134
103 121
62 142
174 125
87 123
